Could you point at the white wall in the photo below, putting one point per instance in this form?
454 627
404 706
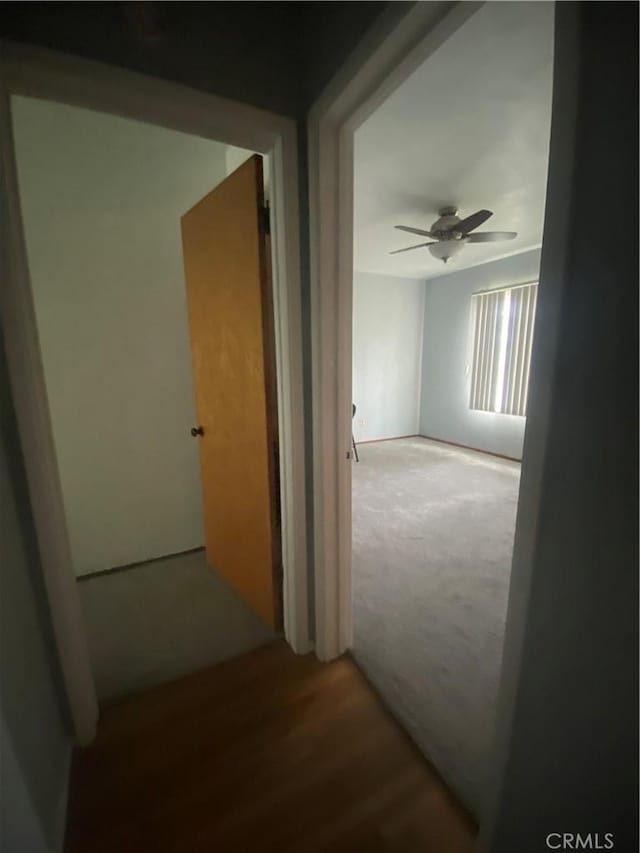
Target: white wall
387 353
101 202
446 367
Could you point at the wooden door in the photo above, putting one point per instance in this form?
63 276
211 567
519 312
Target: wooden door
227 269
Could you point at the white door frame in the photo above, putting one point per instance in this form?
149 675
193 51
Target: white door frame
392 50
45 74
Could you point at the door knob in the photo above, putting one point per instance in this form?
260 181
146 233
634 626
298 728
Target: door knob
197 431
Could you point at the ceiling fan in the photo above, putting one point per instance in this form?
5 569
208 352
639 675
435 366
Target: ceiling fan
451 234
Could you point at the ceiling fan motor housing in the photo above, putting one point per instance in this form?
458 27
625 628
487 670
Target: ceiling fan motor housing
449 241
443 227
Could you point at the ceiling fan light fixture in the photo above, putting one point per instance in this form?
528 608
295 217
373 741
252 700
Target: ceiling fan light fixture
451 233
445 249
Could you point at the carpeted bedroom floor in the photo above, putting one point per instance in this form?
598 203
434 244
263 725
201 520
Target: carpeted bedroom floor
433 529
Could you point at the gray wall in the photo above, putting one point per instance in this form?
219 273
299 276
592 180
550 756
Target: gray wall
20 828
35 747
567 749
387 346
446 366
101 199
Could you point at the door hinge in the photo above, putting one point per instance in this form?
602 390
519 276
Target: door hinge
276 468
278 509
265 219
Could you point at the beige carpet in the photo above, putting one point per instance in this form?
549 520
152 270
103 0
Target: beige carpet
155 622
433 530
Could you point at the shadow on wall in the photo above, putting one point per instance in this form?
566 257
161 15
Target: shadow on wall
35 747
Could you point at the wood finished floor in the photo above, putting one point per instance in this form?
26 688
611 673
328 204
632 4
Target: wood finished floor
268 752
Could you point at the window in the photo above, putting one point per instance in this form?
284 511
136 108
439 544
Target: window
502 325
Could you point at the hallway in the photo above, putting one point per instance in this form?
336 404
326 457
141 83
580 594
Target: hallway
269 751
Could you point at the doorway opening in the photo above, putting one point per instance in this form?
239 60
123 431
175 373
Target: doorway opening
100 362
131 348
448 207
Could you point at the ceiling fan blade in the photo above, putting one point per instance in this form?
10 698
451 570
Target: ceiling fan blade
491 236
414 231
409 248
473 221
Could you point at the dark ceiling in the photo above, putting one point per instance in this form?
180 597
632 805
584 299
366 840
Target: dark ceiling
275 55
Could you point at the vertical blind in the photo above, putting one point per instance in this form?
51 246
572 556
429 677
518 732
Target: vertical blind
503 323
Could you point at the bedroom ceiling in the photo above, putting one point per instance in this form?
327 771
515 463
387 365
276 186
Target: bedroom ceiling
469 128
